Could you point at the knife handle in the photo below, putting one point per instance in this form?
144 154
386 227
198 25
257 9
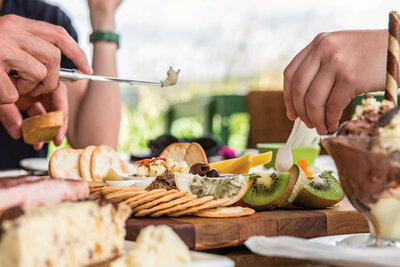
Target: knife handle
66 75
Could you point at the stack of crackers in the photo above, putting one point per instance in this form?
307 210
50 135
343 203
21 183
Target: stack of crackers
91 163
162 202
192 153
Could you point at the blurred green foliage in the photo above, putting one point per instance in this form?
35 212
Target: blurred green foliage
144 109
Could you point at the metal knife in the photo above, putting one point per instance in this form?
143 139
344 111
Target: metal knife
71 75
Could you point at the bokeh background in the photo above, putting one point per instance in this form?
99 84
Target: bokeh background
221 47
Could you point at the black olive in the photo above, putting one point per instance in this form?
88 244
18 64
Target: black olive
213 173
200 169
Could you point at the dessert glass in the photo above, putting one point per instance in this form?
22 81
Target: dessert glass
369 171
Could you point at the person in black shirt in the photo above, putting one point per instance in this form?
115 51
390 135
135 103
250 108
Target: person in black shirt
93 108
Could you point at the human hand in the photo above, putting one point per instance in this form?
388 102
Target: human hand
335 67
102 14
11 117
33 49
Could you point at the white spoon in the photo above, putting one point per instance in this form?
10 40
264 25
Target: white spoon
284 158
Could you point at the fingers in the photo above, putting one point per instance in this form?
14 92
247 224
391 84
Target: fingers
8 92
36 109
30 70
59 101
317 96
11 119
47 54
289 73
338 100
301 83
59 37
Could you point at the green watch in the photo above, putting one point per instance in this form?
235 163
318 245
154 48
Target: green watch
104 36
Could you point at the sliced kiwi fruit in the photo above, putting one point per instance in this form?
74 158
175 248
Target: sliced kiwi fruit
322 191
269 190
301 181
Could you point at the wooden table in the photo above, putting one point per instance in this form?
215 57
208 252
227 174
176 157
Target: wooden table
208 233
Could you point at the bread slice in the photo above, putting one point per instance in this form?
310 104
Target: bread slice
175 151
85 161
104 158
64 163
41 128
194 154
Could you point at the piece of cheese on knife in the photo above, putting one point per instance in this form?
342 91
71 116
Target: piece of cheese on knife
104 158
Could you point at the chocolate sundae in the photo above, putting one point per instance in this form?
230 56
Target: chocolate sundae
366 151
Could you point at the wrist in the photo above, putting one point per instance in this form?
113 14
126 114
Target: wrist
104 24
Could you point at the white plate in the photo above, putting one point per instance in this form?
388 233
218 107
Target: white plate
352 240
12 173
35 164
140 182
121 183
199 259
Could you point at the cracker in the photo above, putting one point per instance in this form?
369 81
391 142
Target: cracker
109 190
167 205
167 198
133 199
84 162
175 151
42 128
120 196
208 205
184 206
194 154
225 212
104 158
149 197
64 163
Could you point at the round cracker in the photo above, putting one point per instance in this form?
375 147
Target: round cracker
167 205
195 154
184 206
64 163
208 205
225 212
167 198
175 151
84 162
104 158
120 196
149 197
133 199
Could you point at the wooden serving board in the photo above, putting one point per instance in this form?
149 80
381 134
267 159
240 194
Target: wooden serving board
207 233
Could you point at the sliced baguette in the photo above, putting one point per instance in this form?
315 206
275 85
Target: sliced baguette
41 128
104 158
64 163
85 162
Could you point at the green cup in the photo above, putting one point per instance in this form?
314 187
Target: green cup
309 153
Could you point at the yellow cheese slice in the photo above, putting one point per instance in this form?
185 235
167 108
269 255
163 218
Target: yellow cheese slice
261 159
240 165
257 160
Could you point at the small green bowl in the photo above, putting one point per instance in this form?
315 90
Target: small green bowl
309 153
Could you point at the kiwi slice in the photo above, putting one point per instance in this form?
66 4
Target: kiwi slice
322 191
269 190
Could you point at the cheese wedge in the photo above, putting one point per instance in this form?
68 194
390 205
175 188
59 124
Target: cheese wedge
240 165
257 160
